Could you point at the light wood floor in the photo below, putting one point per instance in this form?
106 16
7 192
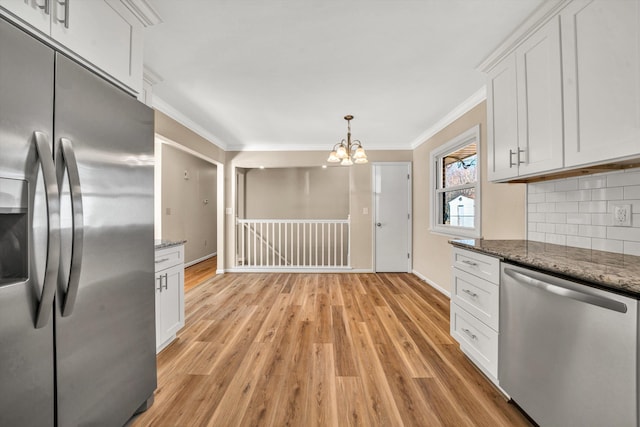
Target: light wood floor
199 273
320 350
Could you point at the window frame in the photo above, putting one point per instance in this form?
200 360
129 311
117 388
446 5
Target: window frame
436 158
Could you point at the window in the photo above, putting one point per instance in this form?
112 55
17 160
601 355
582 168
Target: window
455 186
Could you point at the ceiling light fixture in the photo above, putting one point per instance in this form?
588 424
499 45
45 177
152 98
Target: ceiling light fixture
348 152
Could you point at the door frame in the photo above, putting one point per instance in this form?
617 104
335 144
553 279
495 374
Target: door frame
374 166
220 211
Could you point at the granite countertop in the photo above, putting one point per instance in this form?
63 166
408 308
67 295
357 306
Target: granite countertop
607 270
162 243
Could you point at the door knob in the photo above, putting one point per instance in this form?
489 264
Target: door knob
379 224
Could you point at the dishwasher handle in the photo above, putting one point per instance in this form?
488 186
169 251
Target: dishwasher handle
556 289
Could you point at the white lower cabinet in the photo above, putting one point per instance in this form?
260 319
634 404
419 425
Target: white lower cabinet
169 294
475 303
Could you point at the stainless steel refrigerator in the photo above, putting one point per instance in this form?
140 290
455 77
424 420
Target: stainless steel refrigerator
77 322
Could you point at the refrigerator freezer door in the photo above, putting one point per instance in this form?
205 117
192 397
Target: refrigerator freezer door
106 345
26 353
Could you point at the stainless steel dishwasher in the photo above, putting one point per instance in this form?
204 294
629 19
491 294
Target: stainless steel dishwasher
568 352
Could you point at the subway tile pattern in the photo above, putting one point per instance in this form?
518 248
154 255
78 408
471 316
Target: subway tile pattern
578 211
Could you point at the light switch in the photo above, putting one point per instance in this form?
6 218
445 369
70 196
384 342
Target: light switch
228 211
365 211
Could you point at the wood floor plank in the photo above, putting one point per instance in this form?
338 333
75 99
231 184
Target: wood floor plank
404 345
342 345
352 408
320 350
199 273
323 403
382 406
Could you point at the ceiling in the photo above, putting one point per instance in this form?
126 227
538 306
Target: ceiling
281 75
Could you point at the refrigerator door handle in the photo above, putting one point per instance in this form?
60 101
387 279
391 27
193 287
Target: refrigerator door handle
73 281
53 241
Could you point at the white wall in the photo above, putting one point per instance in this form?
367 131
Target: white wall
579 211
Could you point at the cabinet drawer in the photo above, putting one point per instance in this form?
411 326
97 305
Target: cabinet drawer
475 338
168 257
483 266
478 296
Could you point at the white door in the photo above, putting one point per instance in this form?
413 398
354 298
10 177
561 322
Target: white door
392 201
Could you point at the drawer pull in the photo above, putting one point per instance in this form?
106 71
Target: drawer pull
470 293
158 261
471 263
471 334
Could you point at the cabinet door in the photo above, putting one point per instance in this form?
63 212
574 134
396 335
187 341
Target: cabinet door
33 12
539 77
105 34
160 338
502 117
172 301
601 80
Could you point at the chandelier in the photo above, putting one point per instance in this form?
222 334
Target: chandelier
348 152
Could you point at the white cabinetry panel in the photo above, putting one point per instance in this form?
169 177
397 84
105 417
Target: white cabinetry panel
524 108
601 80
539 78
169 294
104 33
475 305
33 12
502 117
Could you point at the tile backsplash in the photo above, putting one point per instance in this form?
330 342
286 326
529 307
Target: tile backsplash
579 211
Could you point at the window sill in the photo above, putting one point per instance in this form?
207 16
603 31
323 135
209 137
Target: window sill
456 233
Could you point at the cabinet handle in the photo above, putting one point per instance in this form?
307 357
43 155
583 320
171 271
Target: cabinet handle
520 150
159 289
166 281
471 334
471 263
45 7
470 293
64 21
158 261
511 154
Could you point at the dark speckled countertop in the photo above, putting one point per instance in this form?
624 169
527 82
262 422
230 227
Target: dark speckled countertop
608 270
162 243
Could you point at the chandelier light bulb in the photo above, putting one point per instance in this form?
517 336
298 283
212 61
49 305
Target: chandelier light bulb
345 150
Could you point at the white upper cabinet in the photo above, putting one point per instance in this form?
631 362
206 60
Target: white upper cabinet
575 65
539 78
34 12
601 68
524 108
103 33
502 117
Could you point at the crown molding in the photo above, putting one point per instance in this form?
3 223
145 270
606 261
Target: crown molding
537 19
143 11
453 115
150 76
256 146
166 108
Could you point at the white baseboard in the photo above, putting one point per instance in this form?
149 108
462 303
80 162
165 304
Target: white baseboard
433 284
220 271
293 270
204 258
